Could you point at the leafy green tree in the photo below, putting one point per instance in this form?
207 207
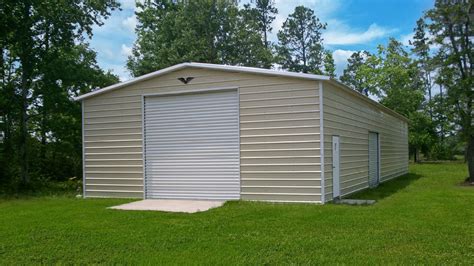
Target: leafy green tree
265 11
217 31
397 79
402 85
171 32
444 121
30 30
359 72
246 43
421 48
55 119
394 78
451 24
300 46
159 43
329 65
422 134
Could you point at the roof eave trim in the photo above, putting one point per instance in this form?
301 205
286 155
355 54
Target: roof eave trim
242 69
130 82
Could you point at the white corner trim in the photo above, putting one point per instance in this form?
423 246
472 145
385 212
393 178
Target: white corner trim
243 69
143 147
240 150
83 153
321 139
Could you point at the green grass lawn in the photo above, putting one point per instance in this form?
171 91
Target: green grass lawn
424 217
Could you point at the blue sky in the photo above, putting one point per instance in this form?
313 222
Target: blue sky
353 25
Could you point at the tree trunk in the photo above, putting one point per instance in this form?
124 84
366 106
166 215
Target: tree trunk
24 130
470 158
43 142
26 72
265 38
415 156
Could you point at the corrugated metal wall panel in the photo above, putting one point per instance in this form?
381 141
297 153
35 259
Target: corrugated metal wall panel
191 147
352 119
288 112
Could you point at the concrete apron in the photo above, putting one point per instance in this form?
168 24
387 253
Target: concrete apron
186 206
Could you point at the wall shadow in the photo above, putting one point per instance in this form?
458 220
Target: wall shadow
386 189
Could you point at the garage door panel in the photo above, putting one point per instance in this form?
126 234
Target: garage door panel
192 146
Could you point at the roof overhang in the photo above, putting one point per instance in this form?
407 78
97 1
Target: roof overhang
242 69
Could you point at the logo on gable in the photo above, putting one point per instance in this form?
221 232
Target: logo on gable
186 80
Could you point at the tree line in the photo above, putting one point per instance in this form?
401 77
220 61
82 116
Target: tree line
221 32
46 60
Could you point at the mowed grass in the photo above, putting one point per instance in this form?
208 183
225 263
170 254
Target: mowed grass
422 218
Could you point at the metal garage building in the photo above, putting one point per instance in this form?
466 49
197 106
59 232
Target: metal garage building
204 131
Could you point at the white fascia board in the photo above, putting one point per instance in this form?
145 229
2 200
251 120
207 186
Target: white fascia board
263 71
242 69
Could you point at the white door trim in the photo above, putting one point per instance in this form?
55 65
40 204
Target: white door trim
184 92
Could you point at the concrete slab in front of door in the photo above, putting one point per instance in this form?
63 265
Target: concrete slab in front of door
186 206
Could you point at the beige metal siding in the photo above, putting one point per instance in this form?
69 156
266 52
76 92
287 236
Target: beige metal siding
279 134
352 118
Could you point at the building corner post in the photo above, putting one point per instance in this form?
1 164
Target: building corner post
321 140
83 153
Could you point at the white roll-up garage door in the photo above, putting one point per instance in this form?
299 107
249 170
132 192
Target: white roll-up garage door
192 146
373 159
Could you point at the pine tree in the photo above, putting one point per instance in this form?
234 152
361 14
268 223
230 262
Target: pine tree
300 46
421 48
451 24
329 65
354 74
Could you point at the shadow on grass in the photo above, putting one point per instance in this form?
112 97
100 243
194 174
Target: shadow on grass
386 189
41 189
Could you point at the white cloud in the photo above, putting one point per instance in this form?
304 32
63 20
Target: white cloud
339 33
340 60
131 5
127 4
126 50
112 40
406 38
130 23
120 70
